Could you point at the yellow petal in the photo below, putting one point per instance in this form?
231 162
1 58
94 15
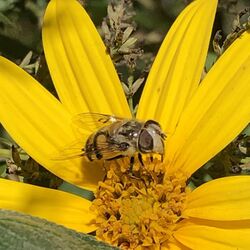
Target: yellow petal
216 235
217 113
81 69
175 245
177 69
222 199
62 208
39 123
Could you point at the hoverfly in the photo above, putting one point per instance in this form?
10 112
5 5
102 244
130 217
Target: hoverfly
114 137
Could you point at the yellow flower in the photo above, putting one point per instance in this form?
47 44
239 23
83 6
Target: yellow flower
157 209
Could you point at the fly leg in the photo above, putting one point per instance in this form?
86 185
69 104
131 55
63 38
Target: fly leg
151 158
131 173
131 163
162 156
140 159
105 170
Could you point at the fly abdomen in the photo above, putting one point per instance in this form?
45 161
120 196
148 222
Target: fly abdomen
89 148
95 144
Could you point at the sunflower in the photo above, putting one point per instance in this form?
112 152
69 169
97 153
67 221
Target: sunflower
153 209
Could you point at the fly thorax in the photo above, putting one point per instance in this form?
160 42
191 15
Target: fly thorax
127 146
129 133
131 150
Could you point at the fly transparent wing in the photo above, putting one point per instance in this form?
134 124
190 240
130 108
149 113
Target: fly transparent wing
70 151
88 123
94 121
76 150
83 125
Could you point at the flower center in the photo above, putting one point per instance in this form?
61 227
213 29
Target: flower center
139 207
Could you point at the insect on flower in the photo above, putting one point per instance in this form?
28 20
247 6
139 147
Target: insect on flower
112 137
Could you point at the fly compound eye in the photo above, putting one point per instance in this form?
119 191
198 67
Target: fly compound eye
145 143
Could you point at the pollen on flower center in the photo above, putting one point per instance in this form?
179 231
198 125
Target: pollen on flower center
139 208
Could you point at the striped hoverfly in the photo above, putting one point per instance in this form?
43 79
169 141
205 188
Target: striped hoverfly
112 137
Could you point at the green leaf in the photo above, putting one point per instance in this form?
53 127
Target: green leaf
20 232
70 188
7 5
246 131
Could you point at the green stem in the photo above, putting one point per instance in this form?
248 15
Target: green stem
130 103
5 153
130 98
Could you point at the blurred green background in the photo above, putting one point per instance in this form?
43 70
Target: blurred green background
21 21
20 41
